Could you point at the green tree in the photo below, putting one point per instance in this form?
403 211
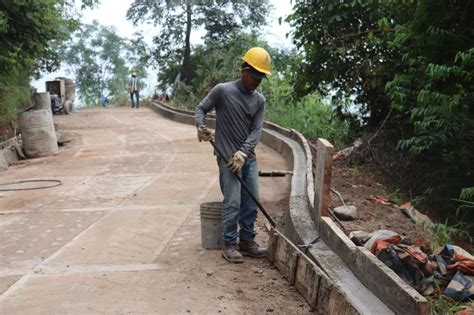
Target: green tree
210 64
346 49
30 32
101 62
176 19
409 65
433 92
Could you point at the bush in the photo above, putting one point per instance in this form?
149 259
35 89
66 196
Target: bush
309 115
14 95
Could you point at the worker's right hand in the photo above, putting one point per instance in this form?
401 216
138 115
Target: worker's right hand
205 134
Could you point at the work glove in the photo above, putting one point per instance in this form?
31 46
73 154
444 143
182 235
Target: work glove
205 134
237 161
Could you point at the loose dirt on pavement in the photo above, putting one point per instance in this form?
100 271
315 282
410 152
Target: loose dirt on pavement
122 234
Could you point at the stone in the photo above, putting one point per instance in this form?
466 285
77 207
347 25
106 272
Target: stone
347 213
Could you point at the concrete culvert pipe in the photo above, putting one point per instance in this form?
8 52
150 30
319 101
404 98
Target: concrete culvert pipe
37 130
42 100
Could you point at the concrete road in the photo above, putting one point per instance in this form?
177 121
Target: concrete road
122 234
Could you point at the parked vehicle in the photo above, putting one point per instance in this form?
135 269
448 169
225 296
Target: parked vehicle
63 94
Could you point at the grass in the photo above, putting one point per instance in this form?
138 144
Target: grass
14 95
396 196
309 115
441 304
354 171
447 234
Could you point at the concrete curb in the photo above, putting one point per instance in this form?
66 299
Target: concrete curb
373 273
304 221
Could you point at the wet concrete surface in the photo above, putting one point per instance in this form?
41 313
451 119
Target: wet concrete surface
122 234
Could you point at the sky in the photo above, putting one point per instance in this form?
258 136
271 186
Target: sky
113 13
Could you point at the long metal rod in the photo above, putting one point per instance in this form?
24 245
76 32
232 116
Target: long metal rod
255 199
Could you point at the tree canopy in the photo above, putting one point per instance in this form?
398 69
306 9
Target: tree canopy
101 62
409 65
176 19
30 32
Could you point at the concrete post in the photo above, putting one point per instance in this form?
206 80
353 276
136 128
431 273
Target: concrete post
322 178
42 100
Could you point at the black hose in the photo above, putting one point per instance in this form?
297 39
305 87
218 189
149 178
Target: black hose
55 183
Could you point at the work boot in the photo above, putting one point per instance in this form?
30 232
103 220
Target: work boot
251 248
232 254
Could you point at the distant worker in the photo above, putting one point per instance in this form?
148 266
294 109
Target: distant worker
105 100
135 87
166 93
239 119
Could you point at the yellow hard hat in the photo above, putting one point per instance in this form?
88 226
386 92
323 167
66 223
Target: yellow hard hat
134 73
259 59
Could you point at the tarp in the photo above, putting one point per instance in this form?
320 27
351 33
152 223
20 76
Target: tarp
451 268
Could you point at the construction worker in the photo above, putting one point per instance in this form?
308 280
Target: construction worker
239 119
135 87
105 100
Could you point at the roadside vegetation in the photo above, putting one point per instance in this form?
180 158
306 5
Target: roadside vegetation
101 61
30 34
410 67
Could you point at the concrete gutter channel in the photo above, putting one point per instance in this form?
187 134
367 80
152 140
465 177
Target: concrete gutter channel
334 275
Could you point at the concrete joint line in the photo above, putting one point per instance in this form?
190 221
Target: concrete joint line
60 250
152 179
78 269
157 252
18 211
17 285
168 163
127 208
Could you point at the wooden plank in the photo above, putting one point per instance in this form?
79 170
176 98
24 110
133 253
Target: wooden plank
308 276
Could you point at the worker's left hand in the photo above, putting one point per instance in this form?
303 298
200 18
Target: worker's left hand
205 134
237 161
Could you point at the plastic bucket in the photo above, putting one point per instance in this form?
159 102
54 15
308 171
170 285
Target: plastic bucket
211 225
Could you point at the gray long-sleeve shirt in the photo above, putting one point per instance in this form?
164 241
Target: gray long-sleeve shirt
239 117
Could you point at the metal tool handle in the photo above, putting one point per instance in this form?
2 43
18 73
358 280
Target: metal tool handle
259 205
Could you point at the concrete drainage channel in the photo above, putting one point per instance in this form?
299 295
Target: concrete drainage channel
334 275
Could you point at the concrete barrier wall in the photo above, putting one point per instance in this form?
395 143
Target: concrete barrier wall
300 228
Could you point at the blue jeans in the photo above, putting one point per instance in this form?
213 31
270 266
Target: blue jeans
238 208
